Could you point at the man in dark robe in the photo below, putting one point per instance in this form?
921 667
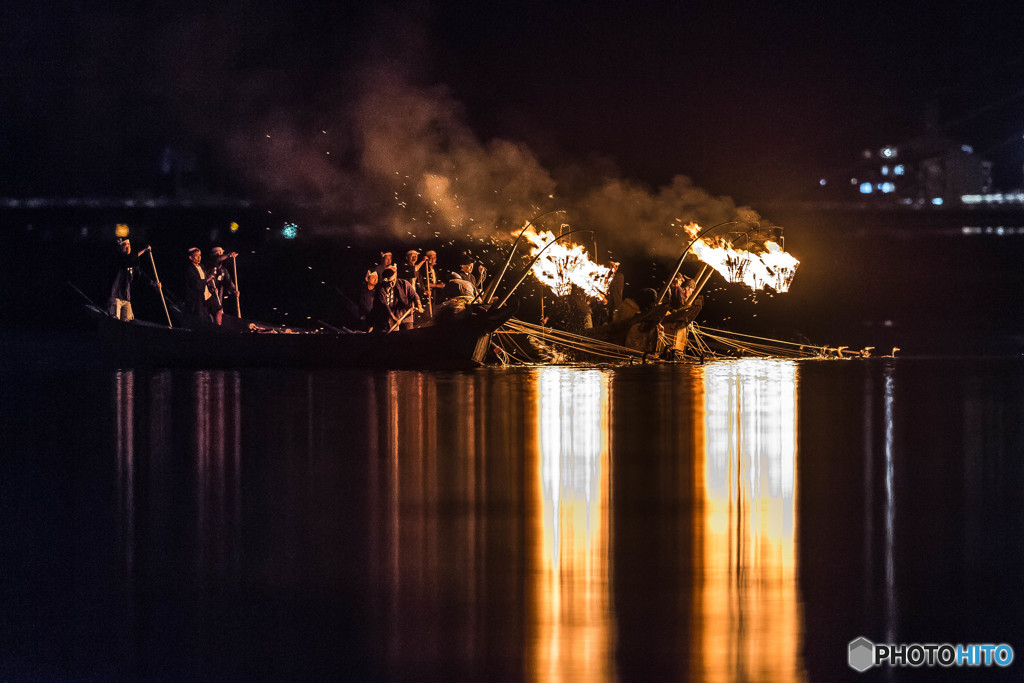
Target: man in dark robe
393 299
126 265
474 276
365 299
202 300
223 284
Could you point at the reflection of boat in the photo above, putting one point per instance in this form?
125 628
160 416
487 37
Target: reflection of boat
459 342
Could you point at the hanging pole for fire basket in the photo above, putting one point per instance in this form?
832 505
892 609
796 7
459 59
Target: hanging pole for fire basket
686 251
534 260
493 287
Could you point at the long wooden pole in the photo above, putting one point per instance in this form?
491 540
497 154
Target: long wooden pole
238 303
431 280
698 284
399 321
159 287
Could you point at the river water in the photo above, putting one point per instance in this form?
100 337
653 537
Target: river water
738 520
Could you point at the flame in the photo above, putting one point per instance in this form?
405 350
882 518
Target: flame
564 264
773 267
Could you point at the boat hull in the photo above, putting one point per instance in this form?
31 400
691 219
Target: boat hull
457 344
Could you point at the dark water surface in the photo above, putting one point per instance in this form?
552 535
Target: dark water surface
741 520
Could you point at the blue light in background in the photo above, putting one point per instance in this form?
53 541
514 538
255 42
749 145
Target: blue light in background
866 188
886 187
898 169
290 230
937 201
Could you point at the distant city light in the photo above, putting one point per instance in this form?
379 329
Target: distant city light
967 148
866 188
898 169
121 230
233 227
994 198
885 170
853 181
887 187
822 182
888 152
937 201
290 230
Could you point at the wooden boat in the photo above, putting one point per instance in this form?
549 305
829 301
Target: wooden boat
459 342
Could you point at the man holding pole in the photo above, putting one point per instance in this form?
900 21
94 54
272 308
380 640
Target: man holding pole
127 266
202 294
222 282
394 303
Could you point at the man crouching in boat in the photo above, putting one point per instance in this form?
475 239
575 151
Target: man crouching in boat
394 303
203 300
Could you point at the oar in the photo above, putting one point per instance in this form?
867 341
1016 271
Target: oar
159 286
431 280
398 322
238 303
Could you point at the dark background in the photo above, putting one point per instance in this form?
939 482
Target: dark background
750 100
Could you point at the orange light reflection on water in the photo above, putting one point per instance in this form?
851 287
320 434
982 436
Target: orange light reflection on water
748 612
572 634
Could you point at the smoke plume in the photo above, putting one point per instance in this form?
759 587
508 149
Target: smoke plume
400 163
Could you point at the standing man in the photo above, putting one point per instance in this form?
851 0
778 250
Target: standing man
385 262
127 266
410 268
202 301
222 282
366 298
467 273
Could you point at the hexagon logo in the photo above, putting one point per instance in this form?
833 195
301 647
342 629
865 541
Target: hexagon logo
861 654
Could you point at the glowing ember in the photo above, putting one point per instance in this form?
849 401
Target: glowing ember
771 267
564 264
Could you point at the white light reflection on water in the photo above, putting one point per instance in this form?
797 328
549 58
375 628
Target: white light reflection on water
574 637
124 424
217 444
891 614
748 610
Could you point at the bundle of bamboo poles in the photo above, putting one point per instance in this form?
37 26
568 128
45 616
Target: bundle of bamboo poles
520 342
710 342
510 349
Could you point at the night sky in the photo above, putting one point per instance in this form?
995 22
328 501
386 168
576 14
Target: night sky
754 101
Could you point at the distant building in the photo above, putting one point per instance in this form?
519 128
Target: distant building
930 169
